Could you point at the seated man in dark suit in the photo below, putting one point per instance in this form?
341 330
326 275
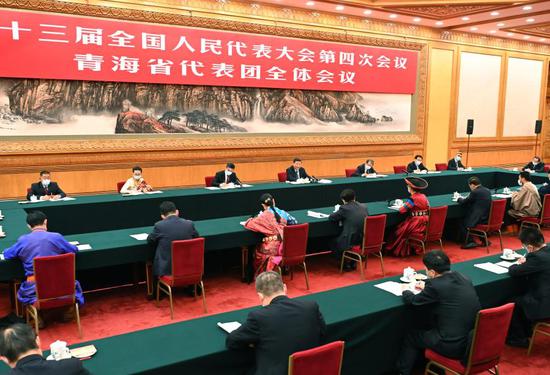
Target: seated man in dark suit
454 304
351 217
534 271
226 177
365 169
455 164
477 207
416 165
295 171
535 165
170 228
281 327
544 189
45 189
20 349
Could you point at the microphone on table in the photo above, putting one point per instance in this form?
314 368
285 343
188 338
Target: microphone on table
314 179
238 181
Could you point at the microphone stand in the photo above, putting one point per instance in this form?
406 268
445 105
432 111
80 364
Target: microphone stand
468 150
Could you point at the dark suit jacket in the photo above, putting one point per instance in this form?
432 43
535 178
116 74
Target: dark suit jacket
477 206
411 167
220 178
39 190
360 170
352 216
172 228
452 165
539 168
278 330
454 304
292 176
543 190
36 365
536 271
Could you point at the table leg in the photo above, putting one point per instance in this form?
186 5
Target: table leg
149 277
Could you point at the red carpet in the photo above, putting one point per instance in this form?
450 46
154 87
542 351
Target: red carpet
116 311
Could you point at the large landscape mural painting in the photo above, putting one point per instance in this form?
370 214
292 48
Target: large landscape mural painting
34 107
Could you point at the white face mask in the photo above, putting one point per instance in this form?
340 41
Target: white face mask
519 183
458 158
535 162
367 167
228 173
417 162
137 177
45 182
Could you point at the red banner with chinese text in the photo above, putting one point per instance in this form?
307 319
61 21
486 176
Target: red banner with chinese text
52 46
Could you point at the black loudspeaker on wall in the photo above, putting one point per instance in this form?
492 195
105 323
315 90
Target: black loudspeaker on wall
470 127
538 126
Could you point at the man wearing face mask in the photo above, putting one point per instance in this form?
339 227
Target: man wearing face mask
534 271
535 165
455 164
226 177
45 189
454 303
416 165
136 183
281 327
364 169
526 201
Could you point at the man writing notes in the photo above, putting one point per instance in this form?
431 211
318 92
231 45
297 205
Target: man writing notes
535 165
416 165
476 210
534 271
136 183
227 177
526 201
364 169
455 164
454 303
38 243
170 228
296 171
45 189
351 217
281 327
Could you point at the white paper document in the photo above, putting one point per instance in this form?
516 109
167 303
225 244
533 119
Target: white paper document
212 188
324 181
394 288
246 185
140 236
491 268
375 175
2 256
502 196
505 264
229 326
434 172
154 192
67 199
317 215
396 208
242 223
84 247
74 242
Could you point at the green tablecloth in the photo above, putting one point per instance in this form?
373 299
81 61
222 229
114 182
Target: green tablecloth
371 321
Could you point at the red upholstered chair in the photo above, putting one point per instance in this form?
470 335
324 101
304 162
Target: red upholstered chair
55 286
496 217
350 172
440 166
543 219
547 167
208 180
487 344
373 240
543 328
294 248
119 185
434 231
399 169
322 360
187 269
281 176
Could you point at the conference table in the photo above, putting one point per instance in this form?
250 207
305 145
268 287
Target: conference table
371 321
106 221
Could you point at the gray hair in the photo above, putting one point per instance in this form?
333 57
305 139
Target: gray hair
269 283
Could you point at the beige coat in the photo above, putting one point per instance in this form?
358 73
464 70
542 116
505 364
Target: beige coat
525 202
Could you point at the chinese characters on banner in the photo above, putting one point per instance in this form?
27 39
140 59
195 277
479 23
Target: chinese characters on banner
52 46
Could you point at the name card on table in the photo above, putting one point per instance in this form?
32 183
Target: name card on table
488 266
229 326
140 236
318 215
84 247
74 242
